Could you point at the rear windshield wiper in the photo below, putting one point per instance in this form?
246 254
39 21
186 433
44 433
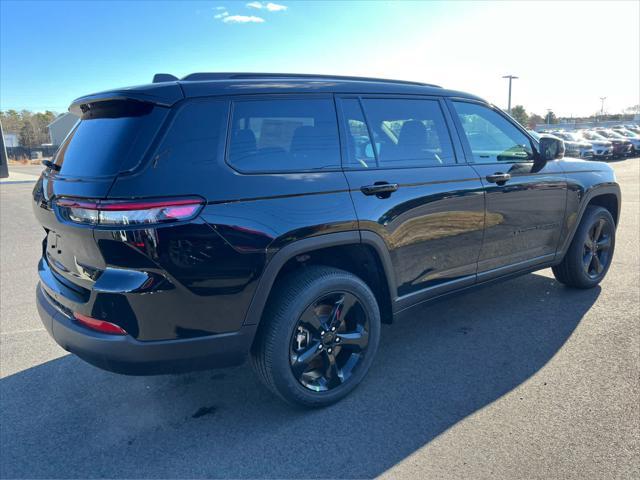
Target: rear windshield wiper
51 165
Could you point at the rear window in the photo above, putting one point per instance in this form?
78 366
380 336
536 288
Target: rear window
284 135
111 137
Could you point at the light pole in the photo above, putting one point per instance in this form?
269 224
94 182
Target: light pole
549 116
602 99
510 77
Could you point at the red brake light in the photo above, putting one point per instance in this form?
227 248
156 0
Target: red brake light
125 212
99 325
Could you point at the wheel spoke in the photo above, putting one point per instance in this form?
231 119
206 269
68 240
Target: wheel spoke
597 264
357 340
302 359
586 261
604 243
335 317
597 231
332 373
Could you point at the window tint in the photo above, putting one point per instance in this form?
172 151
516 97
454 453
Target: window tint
409 133
111 137
195 133
359 148
284 135
492 137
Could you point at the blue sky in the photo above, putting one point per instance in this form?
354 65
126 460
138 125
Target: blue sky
566 54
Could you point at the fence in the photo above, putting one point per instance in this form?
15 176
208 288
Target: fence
24 153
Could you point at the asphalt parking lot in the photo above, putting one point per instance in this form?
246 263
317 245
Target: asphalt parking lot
542 384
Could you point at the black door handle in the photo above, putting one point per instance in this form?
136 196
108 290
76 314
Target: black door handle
499 178
382 189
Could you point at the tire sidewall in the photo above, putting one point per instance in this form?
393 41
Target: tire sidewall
283 377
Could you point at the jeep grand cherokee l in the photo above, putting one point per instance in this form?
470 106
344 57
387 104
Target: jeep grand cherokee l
193 223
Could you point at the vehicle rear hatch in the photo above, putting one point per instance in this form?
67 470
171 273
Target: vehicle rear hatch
114 134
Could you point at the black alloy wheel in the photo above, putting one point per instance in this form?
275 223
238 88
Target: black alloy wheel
318 336
589 255
329 342
597 248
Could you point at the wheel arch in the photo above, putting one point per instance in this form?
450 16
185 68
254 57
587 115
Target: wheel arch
604 195
326 250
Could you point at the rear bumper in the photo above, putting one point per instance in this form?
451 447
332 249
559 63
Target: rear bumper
124 354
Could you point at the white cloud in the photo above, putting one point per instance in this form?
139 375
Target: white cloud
242 19
221 8
272 7
222 15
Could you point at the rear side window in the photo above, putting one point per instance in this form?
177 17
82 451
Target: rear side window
284 135
111 137
195 134
408 132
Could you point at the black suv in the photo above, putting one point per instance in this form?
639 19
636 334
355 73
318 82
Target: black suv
192 223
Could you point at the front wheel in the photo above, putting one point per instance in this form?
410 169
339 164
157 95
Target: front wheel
589 256
318 336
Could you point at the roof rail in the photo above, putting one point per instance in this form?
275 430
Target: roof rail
239 75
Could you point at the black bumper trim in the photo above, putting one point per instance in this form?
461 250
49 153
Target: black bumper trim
124 354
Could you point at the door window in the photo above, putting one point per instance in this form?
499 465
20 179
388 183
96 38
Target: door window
284 135
359 147
492 138
406 133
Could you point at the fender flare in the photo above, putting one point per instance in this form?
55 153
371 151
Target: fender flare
590 194
286 253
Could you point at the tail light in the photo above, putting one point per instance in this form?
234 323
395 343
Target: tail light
99 325
124 212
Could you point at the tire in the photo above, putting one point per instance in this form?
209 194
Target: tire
285 336
578 268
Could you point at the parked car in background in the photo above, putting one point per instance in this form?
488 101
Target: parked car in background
575 146
602 148
631 127
633 137
622 147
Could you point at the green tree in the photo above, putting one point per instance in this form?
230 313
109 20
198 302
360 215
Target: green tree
534 119
28 135
11 121
520 114
550 117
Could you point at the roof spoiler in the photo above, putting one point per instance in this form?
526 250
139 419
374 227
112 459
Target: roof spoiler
162 94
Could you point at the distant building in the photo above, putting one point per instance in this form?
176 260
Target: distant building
60 128
11 140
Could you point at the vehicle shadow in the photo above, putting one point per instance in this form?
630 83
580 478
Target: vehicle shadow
435 367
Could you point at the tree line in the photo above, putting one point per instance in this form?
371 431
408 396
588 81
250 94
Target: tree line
30 127
520 114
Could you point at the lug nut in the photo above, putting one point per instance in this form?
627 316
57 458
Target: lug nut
333 329
320 347
337 339
329 350
322 332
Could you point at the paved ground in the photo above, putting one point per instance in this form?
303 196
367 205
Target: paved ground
543 384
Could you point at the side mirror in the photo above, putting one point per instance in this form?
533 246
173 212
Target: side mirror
551 148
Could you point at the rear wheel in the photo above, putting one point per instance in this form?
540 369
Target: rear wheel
318 338
589 256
